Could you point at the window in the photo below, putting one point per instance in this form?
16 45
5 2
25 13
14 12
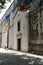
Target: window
18 26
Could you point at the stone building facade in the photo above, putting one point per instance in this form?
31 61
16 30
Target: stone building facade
25 32
19 33
36 28
8 34
7 17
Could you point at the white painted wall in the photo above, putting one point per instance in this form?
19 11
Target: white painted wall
22 16
4 39
11 39
4 34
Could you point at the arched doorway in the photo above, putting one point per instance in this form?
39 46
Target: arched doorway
19 44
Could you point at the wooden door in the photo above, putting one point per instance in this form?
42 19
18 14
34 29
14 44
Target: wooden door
19 44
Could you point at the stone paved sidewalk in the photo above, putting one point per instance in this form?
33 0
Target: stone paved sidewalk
9 57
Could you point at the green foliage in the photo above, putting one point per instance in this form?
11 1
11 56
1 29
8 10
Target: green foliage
1 6
2 3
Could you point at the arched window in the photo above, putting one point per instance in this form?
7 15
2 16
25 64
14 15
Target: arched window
19 26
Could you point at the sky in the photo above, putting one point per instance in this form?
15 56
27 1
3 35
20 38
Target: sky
5 9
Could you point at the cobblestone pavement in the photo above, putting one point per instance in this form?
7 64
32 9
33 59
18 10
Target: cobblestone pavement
19 59
13 59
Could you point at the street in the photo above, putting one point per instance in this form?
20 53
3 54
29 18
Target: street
16 58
